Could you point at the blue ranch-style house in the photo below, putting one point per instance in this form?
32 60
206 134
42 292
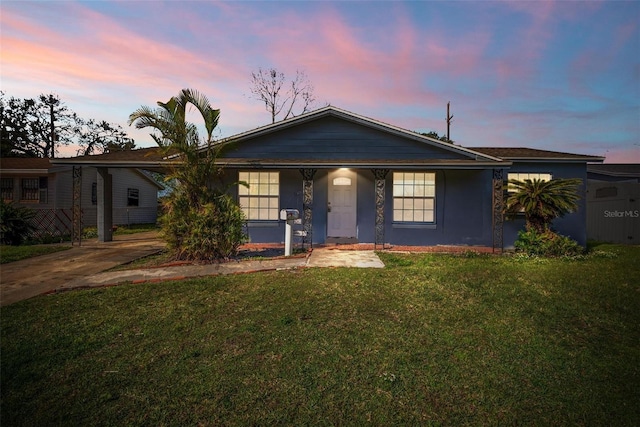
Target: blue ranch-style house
357 179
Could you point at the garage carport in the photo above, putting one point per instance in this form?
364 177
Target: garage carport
150 159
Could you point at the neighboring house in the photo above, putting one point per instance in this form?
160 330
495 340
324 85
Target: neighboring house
38 184
613 203
357 179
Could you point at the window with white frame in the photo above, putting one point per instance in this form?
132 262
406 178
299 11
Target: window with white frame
414 196
7 189
261 201
524 176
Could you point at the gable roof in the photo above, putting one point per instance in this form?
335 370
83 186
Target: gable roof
331 111
532 154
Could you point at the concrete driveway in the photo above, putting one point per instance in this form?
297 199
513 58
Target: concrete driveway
30 277
84 267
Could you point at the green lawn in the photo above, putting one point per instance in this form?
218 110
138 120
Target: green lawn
429 340
16 253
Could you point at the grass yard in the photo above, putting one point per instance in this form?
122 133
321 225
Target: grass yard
16 253
429 340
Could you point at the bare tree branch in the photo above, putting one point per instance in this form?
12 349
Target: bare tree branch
267 87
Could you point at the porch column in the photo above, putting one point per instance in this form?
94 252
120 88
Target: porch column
380 180
497 208
105 205
307 204
76 207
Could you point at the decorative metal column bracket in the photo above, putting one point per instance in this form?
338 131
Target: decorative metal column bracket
380 182
76 223
497 207
307 206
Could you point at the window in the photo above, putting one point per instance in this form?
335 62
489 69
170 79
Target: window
34 189
524 176
133 195
7 189
94 193
261 200
30 189
414 195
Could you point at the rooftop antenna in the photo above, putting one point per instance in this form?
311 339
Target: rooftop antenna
449 117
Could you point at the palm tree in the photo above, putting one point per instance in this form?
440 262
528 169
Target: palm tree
201 220
542 201
180 138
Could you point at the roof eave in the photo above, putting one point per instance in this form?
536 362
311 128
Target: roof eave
114 164
556 159
23 171
364 165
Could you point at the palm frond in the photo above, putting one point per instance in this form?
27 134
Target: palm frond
542 201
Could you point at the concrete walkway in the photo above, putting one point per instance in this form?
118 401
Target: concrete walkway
84 267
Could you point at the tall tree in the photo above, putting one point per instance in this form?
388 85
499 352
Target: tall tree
100 136
542 201
54 124
15 127
281 97
201 220
434 135
37 127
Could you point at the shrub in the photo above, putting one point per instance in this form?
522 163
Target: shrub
547 244
211 231
15 223
90 233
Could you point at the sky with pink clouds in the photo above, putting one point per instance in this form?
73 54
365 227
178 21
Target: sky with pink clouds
558 75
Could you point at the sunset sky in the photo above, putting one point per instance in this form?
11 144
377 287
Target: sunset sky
561 76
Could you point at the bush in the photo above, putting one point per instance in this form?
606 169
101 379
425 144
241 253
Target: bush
211 231
547 244
15 223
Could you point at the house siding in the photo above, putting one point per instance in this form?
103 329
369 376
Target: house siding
572 225
330 138
463 209
17 189
463 212
60 195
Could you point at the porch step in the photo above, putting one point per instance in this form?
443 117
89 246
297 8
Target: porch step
342 240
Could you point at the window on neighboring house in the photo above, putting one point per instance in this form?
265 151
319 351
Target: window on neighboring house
414 196
133 196
34 189
525 176
261 201
7 189
94 193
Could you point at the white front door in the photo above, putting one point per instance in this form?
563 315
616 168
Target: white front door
341 209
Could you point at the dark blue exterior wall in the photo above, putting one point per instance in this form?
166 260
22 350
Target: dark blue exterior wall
574 224
463 209
463 212
332 138
463 197
290 197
